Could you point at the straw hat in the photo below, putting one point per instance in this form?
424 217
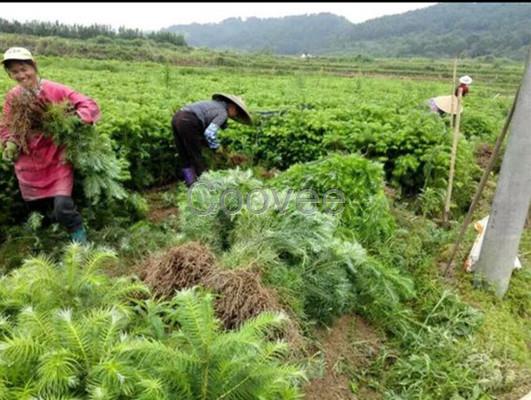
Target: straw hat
444 103
465 80
244 116
17 53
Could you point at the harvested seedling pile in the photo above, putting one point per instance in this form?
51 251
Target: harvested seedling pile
178 268
242 295
240 292
22 120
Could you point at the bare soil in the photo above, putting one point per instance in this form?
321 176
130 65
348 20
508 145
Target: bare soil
349 345
159 210
483 154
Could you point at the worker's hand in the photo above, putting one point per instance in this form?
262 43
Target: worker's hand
10 152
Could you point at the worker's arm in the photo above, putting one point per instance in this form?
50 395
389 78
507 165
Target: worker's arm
211 135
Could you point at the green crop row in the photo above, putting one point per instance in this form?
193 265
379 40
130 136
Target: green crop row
299 118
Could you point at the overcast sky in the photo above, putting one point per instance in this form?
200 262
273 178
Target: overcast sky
154 16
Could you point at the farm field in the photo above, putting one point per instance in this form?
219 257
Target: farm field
356 299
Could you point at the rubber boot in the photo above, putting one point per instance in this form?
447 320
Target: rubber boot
79 236
189 176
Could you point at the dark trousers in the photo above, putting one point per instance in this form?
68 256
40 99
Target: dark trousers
60 209
189 140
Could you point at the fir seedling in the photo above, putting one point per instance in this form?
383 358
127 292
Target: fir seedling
90 153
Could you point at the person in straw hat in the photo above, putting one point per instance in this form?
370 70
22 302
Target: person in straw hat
448 104
45 179
195 127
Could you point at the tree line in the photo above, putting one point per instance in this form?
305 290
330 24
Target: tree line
38 28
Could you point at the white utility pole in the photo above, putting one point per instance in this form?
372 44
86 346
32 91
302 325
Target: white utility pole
512 198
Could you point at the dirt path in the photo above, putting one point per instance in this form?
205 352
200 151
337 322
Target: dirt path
348 345
159 208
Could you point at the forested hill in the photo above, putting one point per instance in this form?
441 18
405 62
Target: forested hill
442 30
286 35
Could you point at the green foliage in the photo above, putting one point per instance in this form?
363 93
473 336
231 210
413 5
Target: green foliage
437 347
77 282
475 125
68 331
272 139
413 145
103 33
365 211
306 116
143 136
319 274
231 365
90 153
208 210
442 360
11 206
139 239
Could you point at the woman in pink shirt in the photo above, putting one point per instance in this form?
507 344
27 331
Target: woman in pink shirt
45 178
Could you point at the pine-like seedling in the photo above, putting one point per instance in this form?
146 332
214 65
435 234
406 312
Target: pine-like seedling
67 333
77 282
90 153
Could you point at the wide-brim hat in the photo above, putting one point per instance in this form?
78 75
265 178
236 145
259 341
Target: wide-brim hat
465 80
243 114
17 54
444 103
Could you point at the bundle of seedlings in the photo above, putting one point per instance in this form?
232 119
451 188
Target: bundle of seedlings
318 274
90 153
241 294
349 186
23 120
208 211
177 268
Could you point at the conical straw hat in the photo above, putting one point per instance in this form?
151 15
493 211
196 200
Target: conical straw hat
244 116
444 103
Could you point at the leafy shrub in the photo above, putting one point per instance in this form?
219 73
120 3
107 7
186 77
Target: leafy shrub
280 140
366 210
415 150
478 125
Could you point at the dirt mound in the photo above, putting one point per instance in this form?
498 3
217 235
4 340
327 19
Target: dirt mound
240 294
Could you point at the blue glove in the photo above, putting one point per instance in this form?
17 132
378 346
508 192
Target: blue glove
211 136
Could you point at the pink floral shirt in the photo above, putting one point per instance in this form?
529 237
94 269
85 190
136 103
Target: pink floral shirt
43 172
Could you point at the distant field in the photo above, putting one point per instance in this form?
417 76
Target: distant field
495 72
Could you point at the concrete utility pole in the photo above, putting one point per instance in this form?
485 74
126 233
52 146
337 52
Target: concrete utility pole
512 198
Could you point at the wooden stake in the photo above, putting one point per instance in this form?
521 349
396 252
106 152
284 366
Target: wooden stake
454 84
453 157
482 183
